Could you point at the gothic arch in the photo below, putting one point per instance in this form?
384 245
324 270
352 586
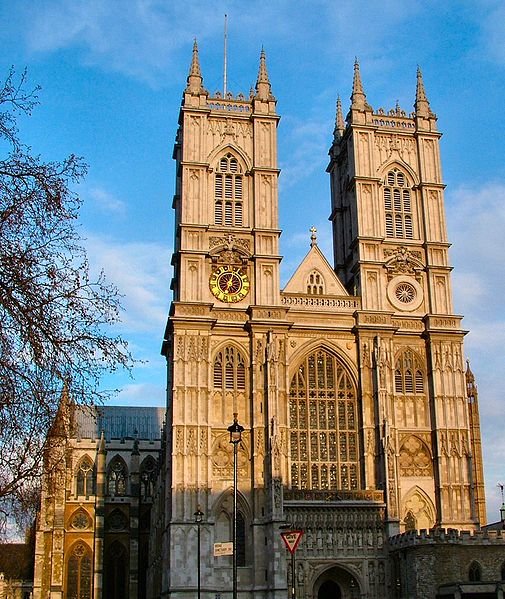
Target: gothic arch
409 360
117 477
85 476
413 178
229 382
79 571
79 519
475 571
315 283
222 457
223 515
399 203
347 579
324 422
148 474
314 344
417 509
239 153
415 457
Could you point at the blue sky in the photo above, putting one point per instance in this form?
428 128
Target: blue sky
113 71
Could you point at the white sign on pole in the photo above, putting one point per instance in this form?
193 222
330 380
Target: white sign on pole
223 549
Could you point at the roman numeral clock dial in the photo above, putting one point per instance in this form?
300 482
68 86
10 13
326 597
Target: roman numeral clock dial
229 284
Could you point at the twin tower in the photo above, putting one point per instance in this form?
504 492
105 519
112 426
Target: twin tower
360 419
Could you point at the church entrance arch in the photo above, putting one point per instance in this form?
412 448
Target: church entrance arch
336 583
329 590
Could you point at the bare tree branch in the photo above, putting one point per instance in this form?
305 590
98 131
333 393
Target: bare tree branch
55 320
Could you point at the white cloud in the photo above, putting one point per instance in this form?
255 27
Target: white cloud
141 394
493 32
106 201
141 37
141 271
136 37
476 217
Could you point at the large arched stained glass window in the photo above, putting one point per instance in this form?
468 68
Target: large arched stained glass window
79 572
323 425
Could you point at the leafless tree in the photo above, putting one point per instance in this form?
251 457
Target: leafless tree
55 318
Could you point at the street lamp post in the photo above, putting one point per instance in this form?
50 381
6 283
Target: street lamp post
235 431
198 519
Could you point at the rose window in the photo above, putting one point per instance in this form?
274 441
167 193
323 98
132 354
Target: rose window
405 293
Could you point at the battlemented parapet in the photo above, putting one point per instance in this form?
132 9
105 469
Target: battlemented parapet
448 563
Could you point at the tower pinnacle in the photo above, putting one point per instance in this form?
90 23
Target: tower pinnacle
421 105
195 79
339 121
263 87
358 97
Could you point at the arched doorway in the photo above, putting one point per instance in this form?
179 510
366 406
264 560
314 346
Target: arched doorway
329 590
336 583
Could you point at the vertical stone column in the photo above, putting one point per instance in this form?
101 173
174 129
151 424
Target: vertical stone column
134 518
99 518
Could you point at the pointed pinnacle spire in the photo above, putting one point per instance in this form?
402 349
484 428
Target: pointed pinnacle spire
358 97
195 79
263 87
471 387
421 105
339 121
101 444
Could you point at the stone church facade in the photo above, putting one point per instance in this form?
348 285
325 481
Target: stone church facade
350 382
360 417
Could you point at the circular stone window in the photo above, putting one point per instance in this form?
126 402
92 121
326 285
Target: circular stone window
80 520
405 293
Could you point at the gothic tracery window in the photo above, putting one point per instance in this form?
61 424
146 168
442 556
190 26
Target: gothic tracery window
409 374
147 477
229 370
398 205
228 192
224 529
85 478
315 283
117 477
79 572
474 572
410 521
324 425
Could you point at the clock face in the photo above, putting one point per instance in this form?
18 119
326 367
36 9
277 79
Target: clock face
229 284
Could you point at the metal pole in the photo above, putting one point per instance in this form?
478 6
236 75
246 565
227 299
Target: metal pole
235 484
198 519
235 431
198 550
293 582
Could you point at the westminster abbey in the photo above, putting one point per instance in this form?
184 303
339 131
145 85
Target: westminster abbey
360 414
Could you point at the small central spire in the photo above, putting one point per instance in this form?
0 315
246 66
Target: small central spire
313 237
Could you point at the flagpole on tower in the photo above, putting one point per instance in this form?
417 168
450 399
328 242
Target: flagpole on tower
225 74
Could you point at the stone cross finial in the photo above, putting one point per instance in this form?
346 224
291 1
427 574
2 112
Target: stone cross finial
313 237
